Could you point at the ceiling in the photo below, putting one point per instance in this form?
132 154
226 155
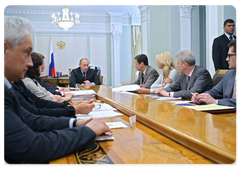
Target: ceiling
129 9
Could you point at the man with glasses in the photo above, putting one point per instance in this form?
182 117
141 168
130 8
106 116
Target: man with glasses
224 93
220 45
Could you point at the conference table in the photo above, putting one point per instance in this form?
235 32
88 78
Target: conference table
164 133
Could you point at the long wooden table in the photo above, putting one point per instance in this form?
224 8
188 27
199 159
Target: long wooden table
165 133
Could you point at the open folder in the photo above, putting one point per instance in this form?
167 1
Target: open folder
213 108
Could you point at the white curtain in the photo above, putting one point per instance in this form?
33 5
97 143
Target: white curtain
136 47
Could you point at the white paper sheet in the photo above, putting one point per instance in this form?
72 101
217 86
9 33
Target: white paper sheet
133 87
99 115
113 125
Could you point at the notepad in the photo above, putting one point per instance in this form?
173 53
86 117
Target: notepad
213 108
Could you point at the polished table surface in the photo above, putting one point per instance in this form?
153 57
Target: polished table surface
165 133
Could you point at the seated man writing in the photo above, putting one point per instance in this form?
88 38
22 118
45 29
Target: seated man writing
84 75
224 93
193 78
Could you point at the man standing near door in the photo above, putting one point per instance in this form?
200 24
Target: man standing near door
220 45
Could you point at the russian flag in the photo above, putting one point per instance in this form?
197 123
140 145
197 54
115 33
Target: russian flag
51 62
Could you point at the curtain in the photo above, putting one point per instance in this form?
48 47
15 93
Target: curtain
136 47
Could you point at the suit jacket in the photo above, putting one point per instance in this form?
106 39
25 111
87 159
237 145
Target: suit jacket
35 107
199 82
48 87
77 77
149 77
29 138
220 51
223 91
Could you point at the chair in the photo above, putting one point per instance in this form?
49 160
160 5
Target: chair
218 75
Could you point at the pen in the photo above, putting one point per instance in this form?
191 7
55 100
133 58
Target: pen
106 133
192 93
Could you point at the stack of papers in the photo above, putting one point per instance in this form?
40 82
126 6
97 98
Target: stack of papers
125 88
83 94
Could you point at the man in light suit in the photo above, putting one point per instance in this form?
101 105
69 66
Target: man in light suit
220 45
84 74
224 93
30 138
147 75
193 78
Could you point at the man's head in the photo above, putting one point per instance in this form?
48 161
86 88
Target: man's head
17 47
141 62
84 64
229 26
231 58
185 59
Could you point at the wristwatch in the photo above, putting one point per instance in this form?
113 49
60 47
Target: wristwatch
74 123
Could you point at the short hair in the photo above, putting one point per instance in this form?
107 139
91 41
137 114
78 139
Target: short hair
83 59
16 29
33 72
166 59
142 58
186 56
232 44
227 21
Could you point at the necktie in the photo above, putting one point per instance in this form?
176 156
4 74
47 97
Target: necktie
188 78
142 78
234 91
84 76
11 89
230 38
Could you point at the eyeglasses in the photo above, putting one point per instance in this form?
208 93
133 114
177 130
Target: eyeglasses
230 55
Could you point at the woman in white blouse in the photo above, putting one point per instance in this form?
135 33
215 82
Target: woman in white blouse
169 75
32 84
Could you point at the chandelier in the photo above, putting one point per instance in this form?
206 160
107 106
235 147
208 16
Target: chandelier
66 22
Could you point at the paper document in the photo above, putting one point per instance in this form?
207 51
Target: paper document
99 115
213 108
133 87
163 98
82 92
104 137
104 107
113 125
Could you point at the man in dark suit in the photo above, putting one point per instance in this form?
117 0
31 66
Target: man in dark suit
38 106
84 74
147 75
193 78
220 45
224 93
30 138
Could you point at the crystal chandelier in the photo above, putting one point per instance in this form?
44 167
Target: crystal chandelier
65 22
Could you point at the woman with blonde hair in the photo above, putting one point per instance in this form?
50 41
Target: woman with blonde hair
169 75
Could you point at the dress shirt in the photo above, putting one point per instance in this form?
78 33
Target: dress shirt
172 93
228 36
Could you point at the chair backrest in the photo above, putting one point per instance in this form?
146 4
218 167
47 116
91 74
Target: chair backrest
218 75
